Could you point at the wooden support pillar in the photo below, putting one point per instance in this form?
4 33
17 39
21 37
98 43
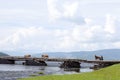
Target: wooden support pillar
102 65
5 61
34 63
107 64
70 64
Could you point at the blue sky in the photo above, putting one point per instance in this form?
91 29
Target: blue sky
59 25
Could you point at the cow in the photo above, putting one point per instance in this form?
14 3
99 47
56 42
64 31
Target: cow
45 56
98 57
27 56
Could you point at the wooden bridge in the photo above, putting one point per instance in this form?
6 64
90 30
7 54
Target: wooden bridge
17 58
66 63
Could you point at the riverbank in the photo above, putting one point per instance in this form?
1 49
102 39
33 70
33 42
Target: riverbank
109 73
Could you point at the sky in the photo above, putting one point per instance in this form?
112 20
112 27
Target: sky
59 25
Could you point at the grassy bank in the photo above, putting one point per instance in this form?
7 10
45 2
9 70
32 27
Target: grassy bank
109 73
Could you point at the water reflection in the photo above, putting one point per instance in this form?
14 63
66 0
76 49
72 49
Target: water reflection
42 68
72 69
45 69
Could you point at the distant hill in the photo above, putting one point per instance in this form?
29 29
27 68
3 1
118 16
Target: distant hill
3 54
108 54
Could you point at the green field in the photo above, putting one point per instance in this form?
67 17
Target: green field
109 73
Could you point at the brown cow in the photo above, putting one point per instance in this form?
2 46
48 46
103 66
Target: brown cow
27 56
45 56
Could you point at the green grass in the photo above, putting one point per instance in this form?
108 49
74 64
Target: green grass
109 73
41 73
33 75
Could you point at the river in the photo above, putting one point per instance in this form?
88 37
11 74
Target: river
15 71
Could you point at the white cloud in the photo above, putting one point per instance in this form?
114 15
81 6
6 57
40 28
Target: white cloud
116 44
54 13
80 33
110 24
88 21
21 36
93 34
64 11
81 37
70 9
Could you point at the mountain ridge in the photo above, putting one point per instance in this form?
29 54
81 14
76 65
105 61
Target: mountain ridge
108 54
3 54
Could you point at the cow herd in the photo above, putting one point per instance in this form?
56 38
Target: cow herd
44 56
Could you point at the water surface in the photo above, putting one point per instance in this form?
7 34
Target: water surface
14 71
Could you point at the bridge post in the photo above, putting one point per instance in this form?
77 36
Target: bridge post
106 64
5 61
102 65
70 64
34 63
